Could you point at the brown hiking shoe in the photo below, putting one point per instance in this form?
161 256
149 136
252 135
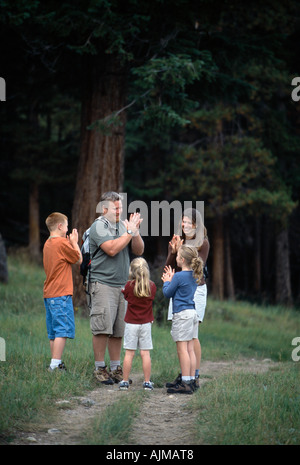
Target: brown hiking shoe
117 374
180 388
196 383
176 381
101 374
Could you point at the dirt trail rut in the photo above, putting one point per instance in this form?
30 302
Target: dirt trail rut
154 426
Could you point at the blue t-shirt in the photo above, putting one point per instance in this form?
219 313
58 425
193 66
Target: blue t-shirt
182 289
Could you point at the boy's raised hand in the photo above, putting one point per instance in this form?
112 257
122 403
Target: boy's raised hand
73 237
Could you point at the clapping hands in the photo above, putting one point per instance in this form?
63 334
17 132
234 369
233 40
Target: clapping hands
134 223
167 274
73 237
175 243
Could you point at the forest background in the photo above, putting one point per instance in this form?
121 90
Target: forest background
164 100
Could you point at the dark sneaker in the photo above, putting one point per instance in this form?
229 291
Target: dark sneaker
176 381
101 374
60 367
180 388
124 385
148 386
117 374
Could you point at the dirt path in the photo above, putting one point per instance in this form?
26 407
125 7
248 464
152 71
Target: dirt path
154 426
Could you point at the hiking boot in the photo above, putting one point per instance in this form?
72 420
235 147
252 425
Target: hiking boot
60 367
117 374
196 383
148 386
124 385
180 388
101 374
176 381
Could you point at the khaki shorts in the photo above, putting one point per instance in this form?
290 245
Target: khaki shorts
107 310
138 336
184 325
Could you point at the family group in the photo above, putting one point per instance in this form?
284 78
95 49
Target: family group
120 293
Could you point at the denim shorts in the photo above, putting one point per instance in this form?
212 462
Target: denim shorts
60 321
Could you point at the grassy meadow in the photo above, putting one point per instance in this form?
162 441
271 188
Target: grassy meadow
236 408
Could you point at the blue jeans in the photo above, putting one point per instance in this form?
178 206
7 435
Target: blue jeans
60 321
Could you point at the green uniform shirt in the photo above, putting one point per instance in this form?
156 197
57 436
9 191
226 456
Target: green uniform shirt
112 271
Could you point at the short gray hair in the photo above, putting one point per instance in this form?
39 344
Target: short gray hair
109 196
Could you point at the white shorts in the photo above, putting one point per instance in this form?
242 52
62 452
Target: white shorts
184 325
200 298
138 336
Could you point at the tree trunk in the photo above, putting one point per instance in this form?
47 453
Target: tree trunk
228 266
218 259
101 159
3 262
257 257
283 276
34 223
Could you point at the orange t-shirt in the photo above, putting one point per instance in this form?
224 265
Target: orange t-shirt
58 256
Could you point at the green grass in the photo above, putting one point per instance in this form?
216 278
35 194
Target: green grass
113 427
252 409
235 408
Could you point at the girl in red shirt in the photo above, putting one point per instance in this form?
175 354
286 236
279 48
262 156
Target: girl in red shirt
139 292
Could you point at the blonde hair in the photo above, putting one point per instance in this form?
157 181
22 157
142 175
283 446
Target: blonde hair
192 259
139 271
54 219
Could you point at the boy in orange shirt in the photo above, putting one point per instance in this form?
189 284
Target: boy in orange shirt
59 253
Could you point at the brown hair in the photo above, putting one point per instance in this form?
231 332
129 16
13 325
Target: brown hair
54 219
200 230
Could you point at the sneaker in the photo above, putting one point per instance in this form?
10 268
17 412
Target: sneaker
60 367
124 385
117 374
180 388
148 386
101 374
176 381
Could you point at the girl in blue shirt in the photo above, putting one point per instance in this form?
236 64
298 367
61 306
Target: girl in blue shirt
181 287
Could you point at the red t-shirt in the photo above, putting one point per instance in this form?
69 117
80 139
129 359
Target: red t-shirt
139 309
58 256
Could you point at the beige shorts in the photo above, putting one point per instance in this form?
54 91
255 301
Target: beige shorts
184 325
138 336
107 310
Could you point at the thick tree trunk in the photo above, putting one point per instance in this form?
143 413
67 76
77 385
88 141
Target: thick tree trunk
218 259
100 167
34 223
283 275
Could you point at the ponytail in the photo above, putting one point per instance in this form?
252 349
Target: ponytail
197 267
190 254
